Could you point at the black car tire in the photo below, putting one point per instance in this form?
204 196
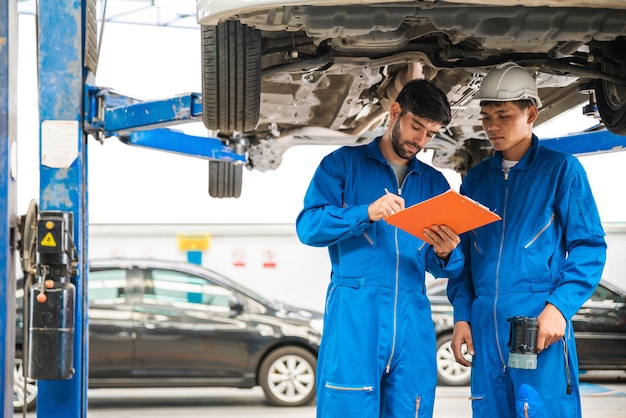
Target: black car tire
225 179
610 96
449 372
231 77
611 99
287 376
18 389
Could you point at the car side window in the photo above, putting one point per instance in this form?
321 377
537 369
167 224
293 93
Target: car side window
602 294
174 287
107 286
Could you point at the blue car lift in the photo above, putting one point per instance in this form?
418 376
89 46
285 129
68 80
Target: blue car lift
71 108
8 193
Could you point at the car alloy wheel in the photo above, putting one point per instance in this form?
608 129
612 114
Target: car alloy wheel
287 376
24 389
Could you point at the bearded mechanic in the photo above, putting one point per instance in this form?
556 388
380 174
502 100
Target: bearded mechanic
377 355
543 260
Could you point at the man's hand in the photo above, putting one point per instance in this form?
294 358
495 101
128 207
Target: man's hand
550 327
443 240
462 334
386 205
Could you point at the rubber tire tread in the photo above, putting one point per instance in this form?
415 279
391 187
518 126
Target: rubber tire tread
225 179
231 77
614 119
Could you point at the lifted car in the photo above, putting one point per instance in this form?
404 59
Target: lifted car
284 73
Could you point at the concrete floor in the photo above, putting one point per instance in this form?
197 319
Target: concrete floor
603 396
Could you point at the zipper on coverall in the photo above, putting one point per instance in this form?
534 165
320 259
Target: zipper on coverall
350 388
395 297
504 364
417 406
395 309
495 302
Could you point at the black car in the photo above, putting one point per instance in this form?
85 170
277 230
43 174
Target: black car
170 324
599 328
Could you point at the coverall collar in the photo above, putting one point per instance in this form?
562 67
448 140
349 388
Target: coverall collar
526 160
373 151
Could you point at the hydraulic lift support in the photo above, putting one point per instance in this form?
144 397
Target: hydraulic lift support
8 121
70 109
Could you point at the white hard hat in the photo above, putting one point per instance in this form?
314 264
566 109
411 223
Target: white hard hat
508 82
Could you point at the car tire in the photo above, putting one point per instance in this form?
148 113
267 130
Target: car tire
21 396
611 100
449 372
611 97
225 179
231 77
287 376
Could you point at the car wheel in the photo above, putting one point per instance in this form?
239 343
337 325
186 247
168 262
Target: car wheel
449 372
610 96
611 99
231 77
287 376
24 390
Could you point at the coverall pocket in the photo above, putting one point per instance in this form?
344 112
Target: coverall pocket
537 252
347 400
529 409
528 403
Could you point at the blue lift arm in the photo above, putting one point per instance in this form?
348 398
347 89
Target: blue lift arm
586 143
143 124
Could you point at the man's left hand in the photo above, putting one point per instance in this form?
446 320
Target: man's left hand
550 327
443 240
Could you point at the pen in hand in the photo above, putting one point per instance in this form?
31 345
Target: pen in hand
394 202
386 205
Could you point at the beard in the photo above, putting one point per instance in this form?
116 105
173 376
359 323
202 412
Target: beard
398 143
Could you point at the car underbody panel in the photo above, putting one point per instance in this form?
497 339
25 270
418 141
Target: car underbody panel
330 70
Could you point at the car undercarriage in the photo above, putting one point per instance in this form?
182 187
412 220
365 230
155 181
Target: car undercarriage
295 74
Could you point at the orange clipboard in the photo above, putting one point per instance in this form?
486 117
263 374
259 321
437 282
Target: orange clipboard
458 212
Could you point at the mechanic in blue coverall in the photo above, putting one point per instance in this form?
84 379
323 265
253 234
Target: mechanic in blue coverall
542 260
377 355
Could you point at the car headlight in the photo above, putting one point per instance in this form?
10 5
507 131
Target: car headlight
317 325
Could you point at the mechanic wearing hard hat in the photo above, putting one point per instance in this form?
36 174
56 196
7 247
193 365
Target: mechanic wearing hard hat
527 275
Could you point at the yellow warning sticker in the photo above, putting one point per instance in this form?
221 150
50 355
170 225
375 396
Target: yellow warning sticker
48 240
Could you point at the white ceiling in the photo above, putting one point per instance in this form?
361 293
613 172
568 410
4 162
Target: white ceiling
172 13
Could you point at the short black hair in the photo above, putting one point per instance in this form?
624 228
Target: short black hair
424 99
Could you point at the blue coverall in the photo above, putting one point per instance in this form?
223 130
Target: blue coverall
548 248
377 356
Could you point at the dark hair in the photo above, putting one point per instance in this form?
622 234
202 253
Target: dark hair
424 99
521 104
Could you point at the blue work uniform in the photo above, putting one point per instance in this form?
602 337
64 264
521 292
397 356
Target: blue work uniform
549 247
377 355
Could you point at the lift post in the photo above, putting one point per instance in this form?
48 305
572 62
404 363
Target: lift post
8 208
70 108
64 67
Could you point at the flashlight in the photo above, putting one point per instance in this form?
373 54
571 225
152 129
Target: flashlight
523 342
